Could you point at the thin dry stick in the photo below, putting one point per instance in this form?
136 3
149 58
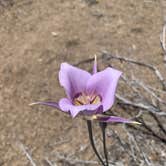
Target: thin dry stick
149 108
155 134
71 161
107 56
160 125
23 148
49 162
134 145
141 84
146 159
155 107
84 61
162 41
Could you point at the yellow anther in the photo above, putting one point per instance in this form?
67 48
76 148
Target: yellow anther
84 99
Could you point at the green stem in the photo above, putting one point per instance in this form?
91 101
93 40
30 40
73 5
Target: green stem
89 124
103 127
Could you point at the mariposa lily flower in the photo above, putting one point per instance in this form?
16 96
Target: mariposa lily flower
88 94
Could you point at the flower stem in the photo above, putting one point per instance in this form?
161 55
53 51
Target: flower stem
103 127
89 124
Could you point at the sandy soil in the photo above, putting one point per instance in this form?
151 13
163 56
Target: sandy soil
35 37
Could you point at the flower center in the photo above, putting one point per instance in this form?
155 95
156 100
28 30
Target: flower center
83 99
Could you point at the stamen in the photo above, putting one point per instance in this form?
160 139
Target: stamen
83 99
96 100
77 102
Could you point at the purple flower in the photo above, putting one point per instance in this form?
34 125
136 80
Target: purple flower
88 94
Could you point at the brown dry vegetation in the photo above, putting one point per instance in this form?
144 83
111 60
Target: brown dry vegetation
35 37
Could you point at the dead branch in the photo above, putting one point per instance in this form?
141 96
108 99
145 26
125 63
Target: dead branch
107 56
138 101
163 42
70 160
25 151
49 162
141 106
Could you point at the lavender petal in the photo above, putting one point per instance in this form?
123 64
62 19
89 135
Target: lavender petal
104 83
51 104
115 119
66 105
73 79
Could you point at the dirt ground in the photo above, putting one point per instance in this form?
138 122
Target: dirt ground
36 36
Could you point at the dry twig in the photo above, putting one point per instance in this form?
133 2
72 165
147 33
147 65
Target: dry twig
141 104
25 151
